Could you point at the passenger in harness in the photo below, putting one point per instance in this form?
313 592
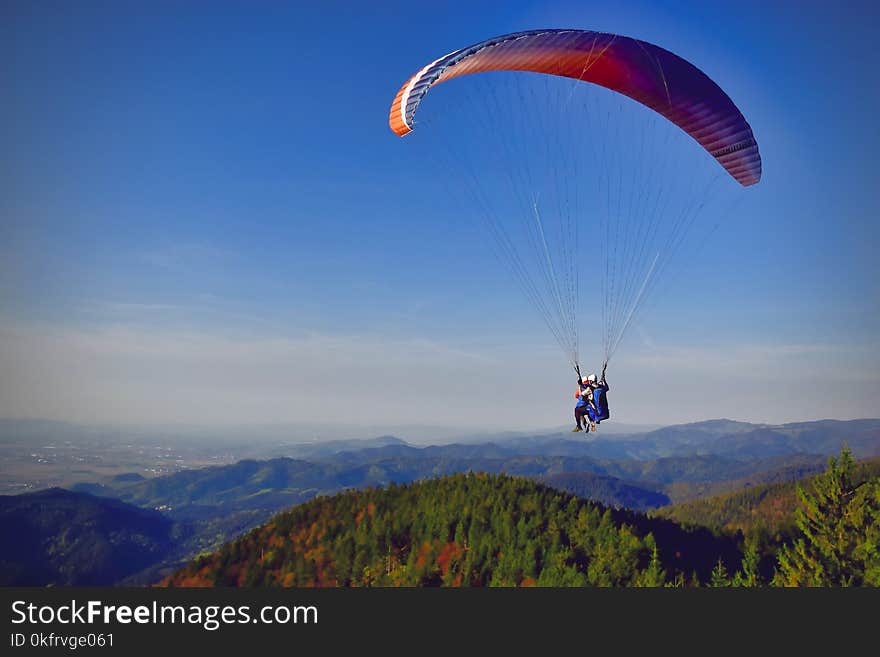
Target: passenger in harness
600 399
582 408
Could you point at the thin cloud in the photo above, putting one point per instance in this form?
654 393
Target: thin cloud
176 257
815 361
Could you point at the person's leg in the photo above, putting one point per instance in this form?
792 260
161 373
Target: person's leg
578 417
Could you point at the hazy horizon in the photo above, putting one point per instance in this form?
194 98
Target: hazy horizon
307 432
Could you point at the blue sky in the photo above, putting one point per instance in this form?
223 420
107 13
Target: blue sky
205 219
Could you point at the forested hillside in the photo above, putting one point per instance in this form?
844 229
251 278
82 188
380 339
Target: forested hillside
768 508
461 530
57 537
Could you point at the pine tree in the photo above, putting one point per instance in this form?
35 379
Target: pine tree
837 524
867 514
720 578
679 582
749 576
654 574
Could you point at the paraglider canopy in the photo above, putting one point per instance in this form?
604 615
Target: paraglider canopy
646 73
584 154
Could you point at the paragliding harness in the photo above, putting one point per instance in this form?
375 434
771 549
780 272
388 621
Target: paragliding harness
600 401
598 406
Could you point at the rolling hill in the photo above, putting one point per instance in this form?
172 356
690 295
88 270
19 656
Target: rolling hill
609 491
460 530
62 538
767 507
269 486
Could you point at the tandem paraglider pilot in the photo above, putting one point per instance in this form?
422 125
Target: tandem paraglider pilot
582 405
592 402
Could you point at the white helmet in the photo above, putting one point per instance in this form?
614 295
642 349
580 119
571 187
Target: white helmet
585 379
591 378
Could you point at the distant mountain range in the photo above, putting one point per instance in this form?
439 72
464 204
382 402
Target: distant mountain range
712 436
738 440
271 485
204 508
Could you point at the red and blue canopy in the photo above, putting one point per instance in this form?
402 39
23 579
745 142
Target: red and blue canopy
646 73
